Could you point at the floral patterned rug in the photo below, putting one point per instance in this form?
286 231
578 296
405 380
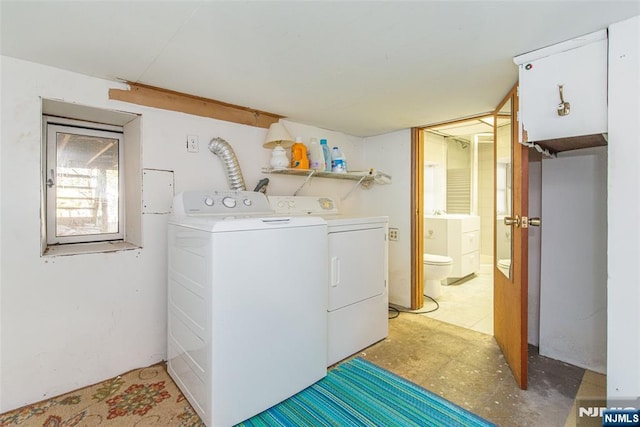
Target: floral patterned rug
143 397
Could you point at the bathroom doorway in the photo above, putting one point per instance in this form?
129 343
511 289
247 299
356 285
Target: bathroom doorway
459 220
510 284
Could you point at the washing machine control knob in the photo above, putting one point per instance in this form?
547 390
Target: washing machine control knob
208 201
247 202
229 202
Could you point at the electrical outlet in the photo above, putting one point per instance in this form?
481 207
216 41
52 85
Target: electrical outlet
193 145
393 234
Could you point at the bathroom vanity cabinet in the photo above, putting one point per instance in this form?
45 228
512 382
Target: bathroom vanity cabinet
455 236
563 94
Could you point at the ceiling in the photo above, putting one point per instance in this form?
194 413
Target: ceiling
466 130
359 67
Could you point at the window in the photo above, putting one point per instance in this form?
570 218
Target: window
84 182
91 187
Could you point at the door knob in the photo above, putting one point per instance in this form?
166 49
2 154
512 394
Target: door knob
531 222
512 220
535 222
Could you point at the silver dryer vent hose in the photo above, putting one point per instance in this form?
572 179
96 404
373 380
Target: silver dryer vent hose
222 149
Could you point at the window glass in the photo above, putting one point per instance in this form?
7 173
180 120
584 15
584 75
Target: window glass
84 185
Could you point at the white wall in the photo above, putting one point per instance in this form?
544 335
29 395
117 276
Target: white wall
458 157
435 149
623 375
573 293
535 244
70 321
391 153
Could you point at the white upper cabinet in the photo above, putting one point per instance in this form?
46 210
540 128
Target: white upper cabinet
563 94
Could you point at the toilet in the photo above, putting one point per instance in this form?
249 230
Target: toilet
504 265
436 268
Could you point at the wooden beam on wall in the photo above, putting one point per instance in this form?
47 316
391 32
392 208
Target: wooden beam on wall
151 96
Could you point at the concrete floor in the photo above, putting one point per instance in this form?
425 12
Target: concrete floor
467 368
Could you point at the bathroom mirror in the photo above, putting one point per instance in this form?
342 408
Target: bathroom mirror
504 188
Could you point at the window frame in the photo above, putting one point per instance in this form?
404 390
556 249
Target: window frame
54 125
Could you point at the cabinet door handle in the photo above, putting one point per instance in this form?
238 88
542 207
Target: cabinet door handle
335 271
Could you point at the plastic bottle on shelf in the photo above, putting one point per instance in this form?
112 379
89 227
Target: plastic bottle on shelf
316 155
299 159
338 161
327 155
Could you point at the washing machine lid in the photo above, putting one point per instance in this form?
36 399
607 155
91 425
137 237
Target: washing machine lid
216 224
437 259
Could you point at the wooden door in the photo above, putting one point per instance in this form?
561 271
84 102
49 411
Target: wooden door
510 240
510 290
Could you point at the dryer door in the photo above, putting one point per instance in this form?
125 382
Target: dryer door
357 266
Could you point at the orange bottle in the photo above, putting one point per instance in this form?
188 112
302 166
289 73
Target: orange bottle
299 159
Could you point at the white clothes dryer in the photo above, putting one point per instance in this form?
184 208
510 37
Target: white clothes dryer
243 333
358 301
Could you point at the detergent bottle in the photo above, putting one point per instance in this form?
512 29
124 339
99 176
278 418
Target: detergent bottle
299 159
316 155
327 155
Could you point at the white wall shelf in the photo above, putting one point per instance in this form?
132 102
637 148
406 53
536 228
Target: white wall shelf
354 176
364 178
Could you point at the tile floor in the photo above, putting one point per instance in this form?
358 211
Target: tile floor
467 303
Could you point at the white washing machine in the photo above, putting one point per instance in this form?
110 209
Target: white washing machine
244 333
358 301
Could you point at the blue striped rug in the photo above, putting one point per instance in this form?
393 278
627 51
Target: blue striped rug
359 393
